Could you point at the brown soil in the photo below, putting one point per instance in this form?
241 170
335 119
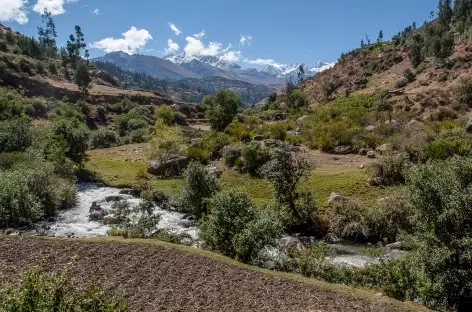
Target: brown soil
154 277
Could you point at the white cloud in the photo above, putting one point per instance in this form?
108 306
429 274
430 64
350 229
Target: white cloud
172 47
231 56
245 40
265 62
14 11
200 35
56 7
175 29
133 40
96 12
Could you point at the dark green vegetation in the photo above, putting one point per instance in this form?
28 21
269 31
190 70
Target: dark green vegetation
44 292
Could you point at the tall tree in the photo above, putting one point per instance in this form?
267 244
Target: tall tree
75 45
381 36
48 35
445 11
82 77
301 73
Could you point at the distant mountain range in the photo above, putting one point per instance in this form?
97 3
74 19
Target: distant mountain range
212 73
177 67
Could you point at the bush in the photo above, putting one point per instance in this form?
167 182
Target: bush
28 194
41 292
349 219
464 92
409 75
389 170
214 142
197 154
239 131
235 228
139 221
168 142
103 138
166 113
297 99
16 135
52 67
76 135
199 184
277 131
443 147
255 155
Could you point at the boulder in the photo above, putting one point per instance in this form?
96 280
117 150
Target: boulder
95 207
130 192
393 123
113 198
293 244
414 125
270 142
362 152
382 149
395 246
302 119
370 154
96 216
109 220
196 142
214 170
293 133
469 126
370 128
294 148
343 149
258 138
334 197
168 168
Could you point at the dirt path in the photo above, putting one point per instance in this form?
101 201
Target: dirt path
154 277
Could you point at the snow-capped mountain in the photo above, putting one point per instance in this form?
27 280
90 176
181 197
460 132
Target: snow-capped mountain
289 71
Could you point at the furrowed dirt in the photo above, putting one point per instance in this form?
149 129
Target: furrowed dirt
155 277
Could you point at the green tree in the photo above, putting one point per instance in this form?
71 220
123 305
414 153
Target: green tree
48 35
221 108
199 185
380 37
445 12
82 77
76 136
75 45
441 193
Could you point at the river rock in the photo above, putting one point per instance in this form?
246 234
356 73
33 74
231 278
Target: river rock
343 149
168 168
113 199
334 197
293 244
258 138
395 246
128 191
96 216
109 220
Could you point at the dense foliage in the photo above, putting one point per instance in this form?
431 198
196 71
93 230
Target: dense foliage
221 108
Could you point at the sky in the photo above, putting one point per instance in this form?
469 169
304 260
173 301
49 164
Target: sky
252 33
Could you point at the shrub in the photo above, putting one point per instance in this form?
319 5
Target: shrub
27 67
40 291
235 228
103 138
297 99
277 131
349 219
199 184
214 142
231 153
102 113
168 142
166 113
52 67
76 135
197 153
255 155
389 170
409 75
16 135
238 130
464 92
444 147
37 107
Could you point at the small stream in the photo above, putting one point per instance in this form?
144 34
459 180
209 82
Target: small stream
75 222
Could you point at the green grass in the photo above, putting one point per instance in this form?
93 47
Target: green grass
113 170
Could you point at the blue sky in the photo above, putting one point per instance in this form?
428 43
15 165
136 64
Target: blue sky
248 32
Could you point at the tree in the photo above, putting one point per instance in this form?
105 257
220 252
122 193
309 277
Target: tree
284 172
441 193
381 36
362 43
199 185
75 45
82 77
445 12
221 108
301 73
76 136
48 35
